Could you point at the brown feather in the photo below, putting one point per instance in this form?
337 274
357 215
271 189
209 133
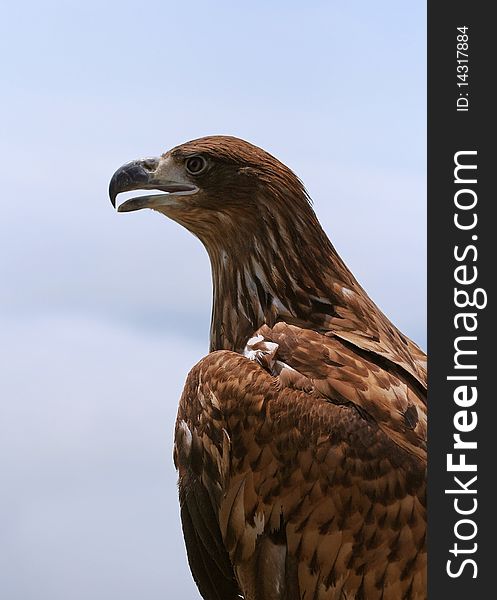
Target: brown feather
355 509
301 438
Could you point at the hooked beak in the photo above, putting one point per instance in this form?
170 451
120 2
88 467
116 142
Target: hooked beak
147 174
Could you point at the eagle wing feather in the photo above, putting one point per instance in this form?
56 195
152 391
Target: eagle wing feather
313 460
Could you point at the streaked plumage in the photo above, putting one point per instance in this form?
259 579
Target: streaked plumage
301 437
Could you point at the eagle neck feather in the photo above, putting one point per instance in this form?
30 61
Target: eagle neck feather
281 267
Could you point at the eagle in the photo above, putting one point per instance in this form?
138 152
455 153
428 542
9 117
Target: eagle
300 439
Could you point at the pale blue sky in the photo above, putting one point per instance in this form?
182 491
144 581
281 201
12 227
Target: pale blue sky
101 315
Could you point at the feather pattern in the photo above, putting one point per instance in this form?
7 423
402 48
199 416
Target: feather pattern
301 437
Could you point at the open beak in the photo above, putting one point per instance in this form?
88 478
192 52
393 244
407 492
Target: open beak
146 174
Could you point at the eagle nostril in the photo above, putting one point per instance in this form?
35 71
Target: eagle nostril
150 164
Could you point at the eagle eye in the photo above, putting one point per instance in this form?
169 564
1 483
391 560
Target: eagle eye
196 164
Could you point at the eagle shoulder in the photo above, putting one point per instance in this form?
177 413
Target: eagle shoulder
291 488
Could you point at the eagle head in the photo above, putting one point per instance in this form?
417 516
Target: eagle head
214 186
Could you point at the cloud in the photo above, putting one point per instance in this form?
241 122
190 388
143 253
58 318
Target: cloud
89 503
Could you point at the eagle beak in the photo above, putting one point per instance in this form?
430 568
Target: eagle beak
146 174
